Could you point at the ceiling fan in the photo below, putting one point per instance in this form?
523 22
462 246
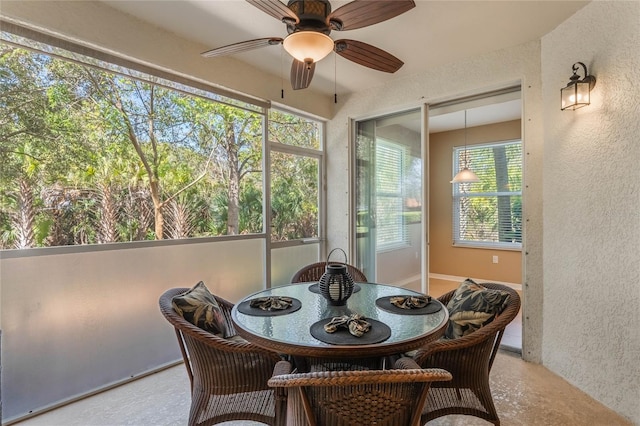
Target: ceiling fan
309 23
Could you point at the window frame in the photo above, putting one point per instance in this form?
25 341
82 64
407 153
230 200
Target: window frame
317 154
43 43
459 191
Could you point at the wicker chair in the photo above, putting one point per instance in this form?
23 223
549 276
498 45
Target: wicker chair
314 271
469 359
357 398
228 377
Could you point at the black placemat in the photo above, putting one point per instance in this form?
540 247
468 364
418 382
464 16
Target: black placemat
245 308
379 332
315 288
385 303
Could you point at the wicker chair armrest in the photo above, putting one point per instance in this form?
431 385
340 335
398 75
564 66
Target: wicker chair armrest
204 336
443 345
489 331
355 377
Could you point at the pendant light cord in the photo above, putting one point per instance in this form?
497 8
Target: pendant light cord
465 140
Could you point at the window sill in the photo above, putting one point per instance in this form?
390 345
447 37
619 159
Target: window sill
487 246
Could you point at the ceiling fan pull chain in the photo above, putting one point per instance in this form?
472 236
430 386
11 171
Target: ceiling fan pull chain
335 78
281 73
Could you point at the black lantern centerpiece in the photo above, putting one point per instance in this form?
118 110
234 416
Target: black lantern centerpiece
336 285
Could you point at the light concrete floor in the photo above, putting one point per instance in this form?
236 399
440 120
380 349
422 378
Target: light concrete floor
525 394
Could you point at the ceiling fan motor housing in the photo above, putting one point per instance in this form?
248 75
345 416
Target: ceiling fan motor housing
312 14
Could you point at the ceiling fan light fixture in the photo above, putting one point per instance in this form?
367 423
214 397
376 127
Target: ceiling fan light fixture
308 46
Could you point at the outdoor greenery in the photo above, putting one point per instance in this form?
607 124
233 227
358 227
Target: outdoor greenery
91 156
491 209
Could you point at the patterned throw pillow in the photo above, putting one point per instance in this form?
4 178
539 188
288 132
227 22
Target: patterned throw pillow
200 308
473 306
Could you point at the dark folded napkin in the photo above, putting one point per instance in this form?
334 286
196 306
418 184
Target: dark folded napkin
410 302
355 323
271 303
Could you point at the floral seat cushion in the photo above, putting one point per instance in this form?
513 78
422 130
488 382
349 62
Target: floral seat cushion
471 307
200 308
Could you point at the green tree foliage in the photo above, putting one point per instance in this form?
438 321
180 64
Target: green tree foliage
91 156
490 217
294 195
38 119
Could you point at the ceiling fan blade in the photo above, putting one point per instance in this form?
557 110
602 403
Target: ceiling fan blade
242 46
362 13
277 9
301 74
367 55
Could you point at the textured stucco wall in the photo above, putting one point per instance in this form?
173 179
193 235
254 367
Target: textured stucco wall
501 68
591 333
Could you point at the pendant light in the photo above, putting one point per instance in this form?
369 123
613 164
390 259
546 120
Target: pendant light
465 175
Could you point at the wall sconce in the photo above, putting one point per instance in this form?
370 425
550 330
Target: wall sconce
577 92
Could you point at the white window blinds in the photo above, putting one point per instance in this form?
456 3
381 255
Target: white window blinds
390 172
489 213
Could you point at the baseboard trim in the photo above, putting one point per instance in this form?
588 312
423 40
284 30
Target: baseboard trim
478 280
407 281
456 279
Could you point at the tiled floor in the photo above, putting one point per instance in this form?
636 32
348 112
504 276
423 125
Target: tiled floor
525 395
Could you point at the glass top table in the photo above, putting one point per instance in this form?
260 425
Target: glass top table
290 333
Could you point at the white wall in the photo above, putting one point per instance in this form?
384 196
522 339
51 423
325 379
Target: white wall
591 332
491 71
77 319
401 266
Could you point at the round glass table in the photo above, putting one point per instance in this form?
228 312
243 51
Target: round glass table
290 333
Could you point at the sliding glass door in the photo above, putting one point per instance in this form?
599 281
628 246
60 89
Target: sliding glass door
389 196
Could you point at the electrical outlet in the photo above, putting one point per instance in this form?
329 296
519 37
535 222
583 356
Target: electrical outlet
495 259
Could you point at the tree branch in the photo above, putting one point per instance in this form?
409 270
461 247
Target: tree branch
193 182
9 151
117 103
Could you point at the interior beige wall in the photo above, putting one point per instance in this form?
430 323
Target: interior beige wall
444 258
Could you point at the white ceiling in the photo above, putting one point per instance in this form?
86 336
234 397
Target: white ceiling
430 35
